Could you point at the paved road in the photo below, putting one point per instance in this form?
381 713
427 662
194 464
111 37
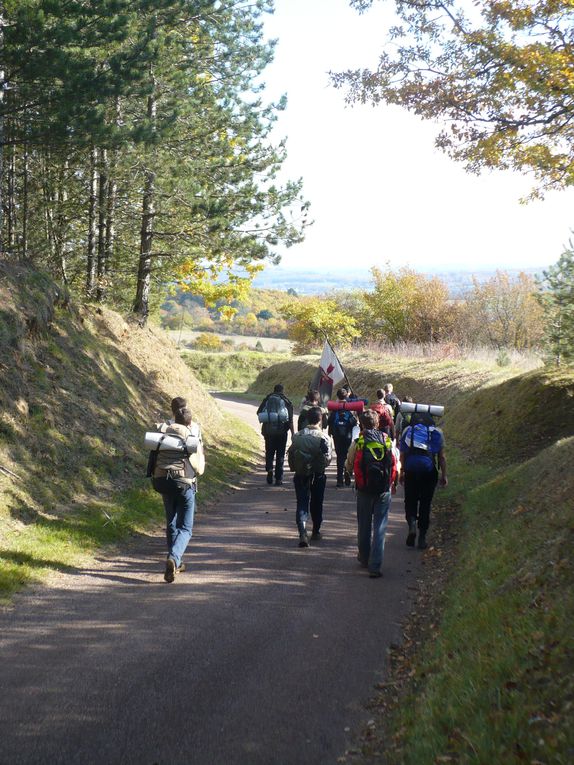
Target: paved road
261 654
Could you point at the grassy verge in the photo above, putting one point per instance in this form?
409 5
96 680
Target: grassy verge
64 542
229 371
486 667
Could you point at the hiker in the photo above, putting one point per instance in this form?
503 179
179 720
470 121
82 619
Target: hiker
385 412
177 403
422 446
341 424
392 399
403 419
313 398
175 478
372 461
275 414
309 454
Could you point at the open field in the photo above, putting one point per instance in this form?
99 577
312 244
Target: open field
270 344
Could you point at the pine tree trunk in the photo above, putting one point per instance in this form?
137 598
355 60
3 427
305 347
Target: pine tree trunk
11 202
92 228
2 89
141 304
102 210
25 177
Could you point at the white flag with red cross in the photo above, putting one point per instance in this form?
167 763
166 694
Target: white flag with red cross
329 373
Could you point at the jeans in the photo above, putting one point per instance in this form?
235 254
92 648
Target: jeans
342 444
372 519
275 445
309 491
419 491
179 512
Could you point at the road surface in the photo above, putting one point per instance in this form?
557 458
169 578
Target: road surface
262 653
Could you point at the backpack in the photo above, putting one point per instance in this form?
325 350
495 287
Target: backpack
418 441
274 414
373 465
395 402
344 422
306 454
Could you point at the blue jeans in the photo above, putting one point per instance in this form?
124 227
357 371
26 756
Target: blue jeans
372 519
309 491
179 512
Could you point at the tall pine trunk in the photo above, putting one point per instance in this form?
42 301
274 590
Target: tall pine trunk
102 210
141 304
92 226
25 205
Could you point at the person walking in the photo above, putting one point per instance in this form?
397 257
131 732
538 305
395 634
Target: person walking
385 412
309 454
275 414
313 398
341 424
422 447
175 478
372 461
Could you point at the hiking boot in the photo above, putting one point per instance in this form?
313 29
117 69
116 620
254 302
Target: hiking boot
347 479
423 544
316 536
375 574
363 563
278 482
270 477
170 570
411 536
181 568
303 539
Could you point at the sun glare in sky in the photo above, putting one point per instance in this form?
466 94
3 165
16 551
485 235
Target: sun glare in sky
379 189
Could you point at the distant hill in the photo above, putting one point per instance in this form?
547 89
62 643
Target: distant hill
318 282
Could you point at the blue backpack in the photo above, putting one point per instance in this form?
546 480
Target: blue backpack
344 422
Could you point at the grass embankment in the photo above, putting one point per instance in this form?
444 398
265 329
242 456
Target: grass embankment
490 680
78 389
229 371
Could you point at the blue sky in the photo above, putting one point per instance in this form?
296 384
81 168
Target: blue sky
379 189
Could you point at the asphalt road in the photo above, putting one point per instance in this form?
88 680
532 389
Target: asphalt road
261 653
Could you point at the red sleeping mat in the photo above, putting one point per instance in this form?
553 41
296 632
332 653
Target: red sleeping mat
351 406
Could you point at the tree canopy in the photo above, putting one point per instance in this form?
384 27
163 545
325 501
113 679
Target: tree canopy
499 73
136 146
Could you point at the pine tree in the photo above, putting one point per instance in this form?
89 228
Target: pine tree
557 299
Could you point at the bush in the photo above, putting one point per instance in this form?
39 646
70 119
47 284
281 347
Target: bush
207 342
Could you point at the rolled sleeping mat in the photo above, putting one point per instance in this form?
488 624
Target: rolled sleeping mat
349 406
434 409
273 416
171 442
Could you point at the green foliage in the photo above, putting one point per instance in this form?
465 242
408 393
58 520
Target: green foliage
557 300
503 313
406 306
207 342
140 127
313 319
499 74
229 371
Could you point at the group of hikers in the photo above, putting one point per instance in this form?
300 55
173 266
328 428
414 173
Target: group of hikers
377 446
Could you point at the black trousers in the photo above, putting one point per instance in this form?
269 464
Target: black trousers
342 444
275 446
419 491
